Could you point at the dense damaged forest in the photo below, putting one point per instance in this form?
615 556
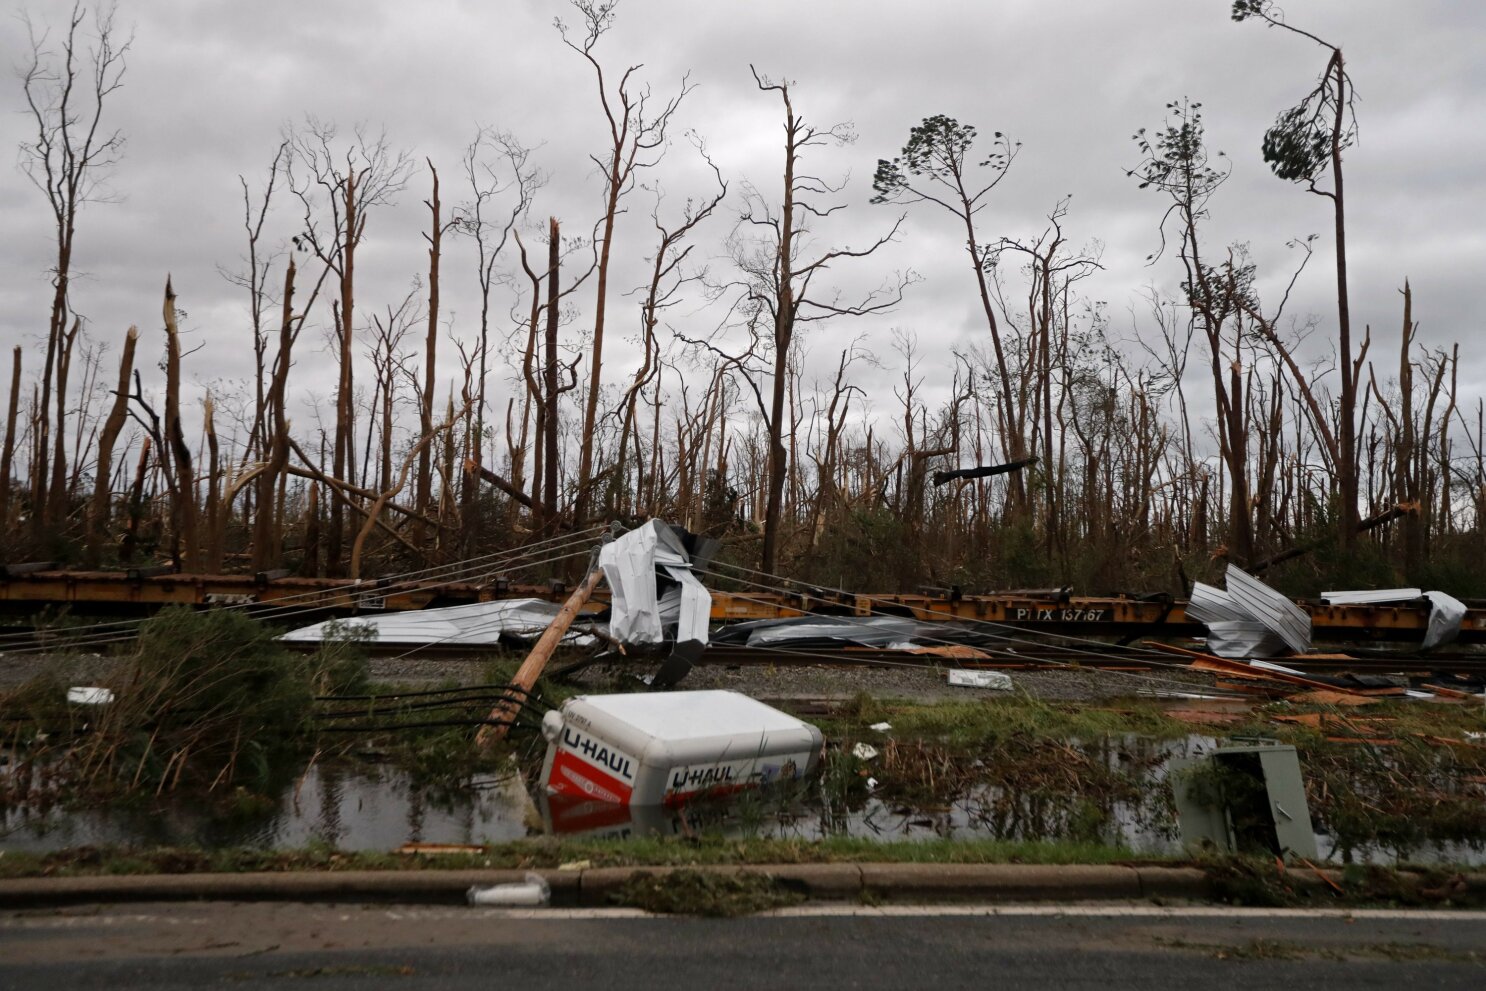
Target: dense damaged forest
1320 450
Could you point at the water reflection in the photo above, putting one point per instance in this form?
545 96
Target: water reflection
348 807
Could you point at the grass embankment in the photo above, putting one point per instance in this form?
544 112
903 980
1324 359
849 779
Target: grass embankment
552 853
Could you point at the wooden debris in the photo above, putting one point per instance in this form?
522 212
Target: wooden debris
1330 696
440 849
957 651
1240 669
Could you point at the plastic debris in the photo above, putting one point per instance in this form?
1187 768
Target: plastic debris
881 727
864 751
636 565
534 891
965 678
89 695
1445 615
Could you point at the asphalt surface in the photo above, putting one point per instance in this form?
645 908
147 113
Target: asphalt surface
284 945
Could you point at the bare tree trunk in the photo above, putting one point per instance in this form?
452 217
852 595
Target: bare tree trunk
136 503
268 523
98 512
7 455
310 566
344 456
549 374
185 479
215 522
784 328
66 87
1348 411
57 492
435 238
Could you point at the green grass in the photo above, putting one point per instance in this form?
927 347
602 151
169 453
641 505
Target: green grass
975 723
690 892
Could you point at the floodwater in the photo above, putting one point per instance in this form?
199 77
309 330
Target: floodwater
356 806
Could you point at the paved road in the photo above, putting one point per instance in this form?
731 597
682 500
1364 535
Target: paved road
282 945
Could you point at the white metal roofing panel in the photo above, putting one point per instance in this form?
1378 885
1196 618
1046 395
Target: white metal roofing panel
472 623
1291 623
1370 596
1208 604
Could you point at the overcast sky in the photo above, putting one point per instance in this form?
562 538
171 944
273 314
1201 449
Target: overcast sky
212 84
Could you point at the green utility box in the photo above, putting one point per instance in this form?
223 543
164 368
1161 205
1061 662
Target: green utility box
1244 799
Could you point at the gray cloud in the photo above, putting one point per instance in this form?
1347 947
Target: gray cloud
212 84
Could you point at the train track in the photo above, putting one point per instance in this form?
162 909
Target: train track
24 590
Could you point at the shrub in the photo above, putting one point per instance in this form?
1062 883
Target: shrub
208 697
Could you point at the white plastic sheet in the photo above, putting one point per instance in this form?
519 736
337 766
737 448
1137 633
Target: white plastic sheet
1445 614
630 564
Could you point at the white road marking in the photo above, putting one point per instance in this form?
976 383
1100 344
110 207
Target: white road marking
829 909
811 910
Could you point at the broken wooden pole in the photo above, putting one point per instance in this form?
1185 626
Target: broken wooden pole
536 662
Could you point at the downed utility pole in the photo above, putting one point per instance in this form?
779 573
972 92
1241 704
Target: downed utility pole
984 471
536 662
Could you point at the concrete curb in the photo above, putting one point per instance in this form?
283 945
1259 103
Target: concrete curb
903 883
596 887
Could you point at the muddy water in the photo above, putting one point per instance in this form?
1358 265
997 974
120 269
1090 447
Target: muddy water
353 807
368 807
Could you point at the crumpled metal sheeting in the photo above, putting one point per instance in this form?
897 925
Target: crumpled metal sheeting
1236 640
1249 619
475 623
1209 604
867 631
1277 612
630 564
891 632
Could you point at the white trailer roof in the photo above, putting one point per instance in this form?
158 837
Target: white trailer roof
675 716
